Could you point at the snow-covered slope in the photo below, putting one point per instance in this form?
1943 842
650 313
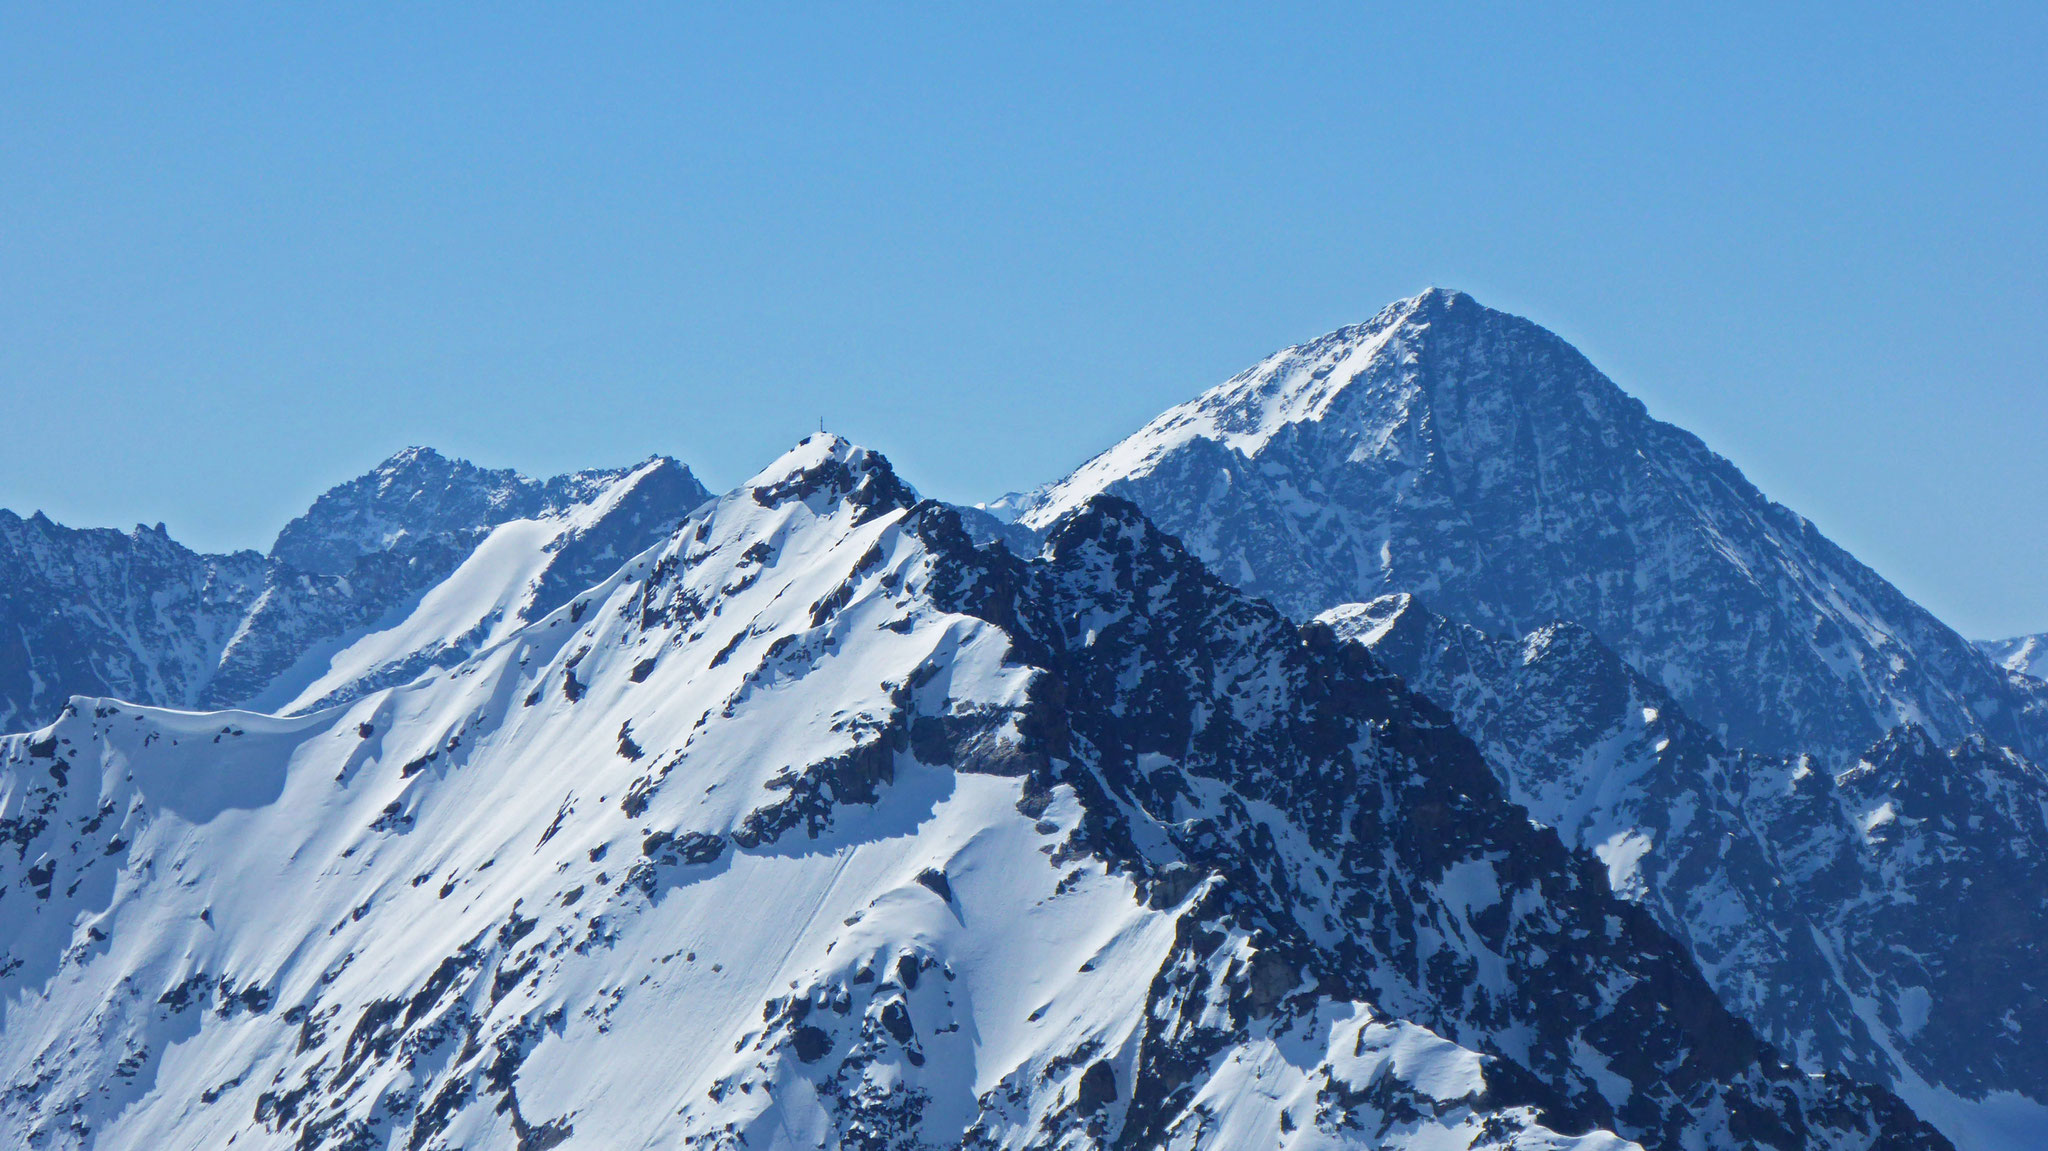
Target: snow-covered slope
1888 921
414 565
2025 654
1475 459
819 825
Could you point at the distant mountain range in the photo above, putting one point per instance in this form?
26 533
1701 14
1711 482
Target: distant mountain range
1408 743
412 566
2027 654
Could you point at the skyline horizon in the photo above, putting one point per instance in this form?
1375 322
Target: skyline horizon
718 484
244 251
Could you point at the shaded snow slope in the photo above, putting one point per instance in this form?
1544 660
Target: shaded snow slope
816 825
1889 920
1475 459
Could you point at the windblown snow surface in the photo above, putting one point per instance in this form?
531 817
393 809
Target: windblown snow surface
496 589
816 826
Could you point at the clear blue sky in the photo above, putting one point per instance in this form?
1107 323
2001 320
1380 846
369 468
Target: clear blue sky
247 252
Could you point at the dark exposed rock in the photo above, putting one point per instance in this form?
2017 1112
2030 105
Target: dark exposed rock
811 1043
896 1021
1098 1087
934 880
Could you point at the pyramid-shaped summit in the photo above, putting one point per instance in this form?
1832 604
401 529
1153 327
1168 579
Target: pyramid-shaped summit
1476 459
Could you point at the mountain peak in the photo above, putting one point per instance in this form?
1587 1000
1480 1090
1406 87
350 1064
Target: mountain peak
819 449
1368 384
411 456
1107 521
419 468
835 468
1434 299
1478 460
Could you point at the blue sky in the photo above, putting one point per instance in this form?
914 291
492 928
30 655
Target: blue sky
246 252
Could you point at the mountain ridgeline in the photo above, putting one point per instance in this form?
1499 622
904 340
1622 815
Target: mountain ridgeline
1408 743
818 824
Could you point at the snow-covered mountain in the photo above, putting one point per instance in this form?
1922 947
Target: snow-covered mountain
1474 459
1889 920
416 564
2024 654
819 824
424 561
99 612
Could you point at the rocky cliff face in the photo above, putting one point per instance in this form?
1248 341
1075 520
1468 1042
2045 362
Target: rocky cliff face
1476 460
1888 919
819 824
